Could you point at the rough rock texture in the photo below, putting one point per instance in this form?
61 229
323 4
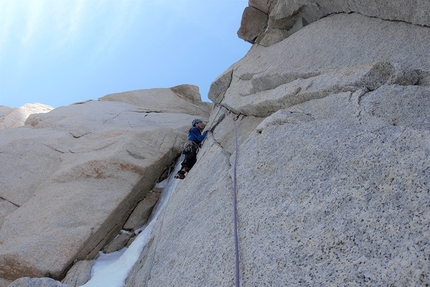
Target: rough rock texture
333 171
333 161
79 274
75 174
184 98
118 243
12 118
36 282
254 22
345 52
287 16
141 212
4 282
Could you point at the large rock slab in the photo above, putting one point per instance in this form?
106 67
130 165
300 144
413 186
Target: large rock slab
331 192
288 16
333 168
185 98
73 177
339 53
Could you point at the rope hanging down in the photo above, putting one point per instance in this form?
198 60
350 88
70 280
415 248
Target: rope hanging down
236 239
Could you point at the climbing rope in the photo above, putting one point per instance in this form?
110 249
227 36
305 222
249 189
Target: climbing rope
236 239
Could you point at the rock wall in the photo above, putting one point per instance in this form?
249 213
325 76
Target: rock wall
333 170
266 22
333 167
74 175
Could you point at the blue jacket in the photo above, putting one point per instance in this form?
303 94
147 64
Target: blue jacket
196 136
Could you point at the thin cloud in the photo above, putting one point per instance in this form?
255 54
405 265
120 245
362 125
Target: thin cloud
34 18
69 21
6 20
116 24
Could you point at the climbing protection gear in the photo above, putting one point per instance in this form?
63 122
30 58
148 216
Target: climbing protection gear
190 146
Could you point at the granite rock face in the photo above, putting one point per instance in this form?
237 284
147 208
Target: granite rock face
79 274
325 134
285 17
75 174
333 166
36 282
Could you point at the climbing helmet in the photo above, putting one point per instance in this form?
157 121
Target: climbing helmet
196 121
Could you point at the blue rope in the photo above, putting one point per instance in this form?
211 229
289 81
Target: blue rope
236 240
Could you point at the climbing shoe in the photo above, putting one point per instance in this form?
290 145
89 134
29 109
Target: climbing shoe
180 175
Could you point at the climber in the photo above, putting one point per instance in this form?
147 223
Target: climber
191 147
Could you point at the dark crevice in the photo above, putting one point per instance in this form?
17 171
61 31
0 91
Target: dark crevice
10 202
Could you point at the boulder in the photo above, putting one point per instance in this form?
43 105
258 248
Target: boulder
118 243
141 212
79 274
253 23
75 174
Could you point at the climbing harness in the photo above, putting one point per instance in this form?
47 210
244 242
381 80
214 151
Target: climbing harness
190 146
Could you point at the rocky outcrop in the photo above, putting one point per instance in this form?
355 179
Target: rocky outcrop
345 52
325 134
79 274
184 98
267 22
12 118
333 170
75 174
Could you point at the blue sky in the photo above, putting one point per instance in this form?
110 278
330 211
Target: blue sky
58 52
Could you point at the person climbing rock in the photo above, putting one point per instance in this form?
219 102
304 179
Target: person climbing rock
191 147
